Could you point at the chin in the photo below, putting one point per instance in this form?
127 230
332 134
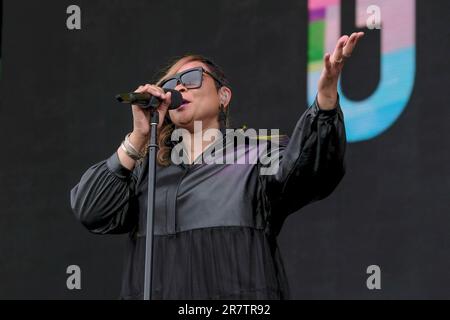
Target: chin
184 119
185 123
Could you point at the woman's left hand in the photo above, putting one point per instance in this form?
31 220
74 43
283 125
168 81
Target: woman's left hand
327 89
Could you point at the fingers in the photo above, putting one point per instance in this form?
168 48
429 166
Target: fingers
139 90
335 62
345 46
327 62
351 43
157 92
338 56
166 102
153 90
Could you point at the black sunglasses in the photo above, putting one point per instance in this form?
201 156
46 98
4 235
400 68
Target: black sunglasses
191 79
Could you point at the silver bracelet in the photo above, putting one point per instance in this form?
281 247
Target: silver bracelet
130 150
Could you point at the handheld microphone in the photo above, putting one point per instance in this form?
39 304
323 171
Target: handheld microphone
146 100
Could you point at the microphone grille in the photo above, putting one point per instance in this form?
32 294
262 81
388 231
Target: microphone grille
177 98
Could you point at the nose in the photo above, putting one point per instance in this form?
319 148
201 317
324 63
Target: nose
180 87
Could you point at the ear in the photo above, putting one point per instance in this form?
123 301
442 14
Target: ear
225 95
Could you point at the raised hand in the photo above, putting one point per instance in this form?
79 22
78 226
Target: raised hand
334 63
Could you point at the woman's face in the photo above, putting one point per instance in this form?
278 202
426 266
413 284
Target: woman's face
203 105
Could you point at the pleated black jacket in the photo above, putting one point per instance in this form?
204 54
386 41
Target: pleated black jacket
215 224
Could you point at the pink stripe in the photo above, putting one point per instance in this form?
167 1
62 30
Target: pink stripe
397 22
333 27
316 4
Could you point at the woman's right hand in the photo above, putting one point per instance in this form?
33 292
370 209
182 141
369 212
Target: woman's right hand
141 122
141 117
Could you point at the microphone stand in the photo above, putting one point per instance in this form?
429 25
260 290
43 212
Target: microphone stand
153 146
142 100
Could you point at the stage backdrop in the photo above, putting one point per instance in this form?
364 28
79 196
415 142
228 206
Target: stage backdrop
58 117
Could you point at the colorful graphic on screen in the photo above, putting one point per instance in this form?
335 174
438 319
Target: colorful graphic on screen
372 116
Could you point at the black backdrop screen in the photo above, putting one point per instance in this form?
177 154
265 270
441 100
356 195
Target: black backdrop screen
58 117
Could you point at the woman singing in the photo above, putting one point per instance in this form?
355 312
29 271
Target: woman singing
215 224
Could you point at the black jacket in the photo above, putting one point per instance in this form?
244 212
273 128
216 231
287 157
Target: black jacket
215 224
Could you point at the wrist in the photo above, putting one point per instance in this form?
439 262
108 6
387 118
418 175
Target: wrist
139 141
131 150
125 160
327 101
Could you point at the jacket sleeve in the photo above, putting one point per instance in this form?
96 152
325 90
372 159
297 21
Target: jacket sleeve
103 200
311 162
